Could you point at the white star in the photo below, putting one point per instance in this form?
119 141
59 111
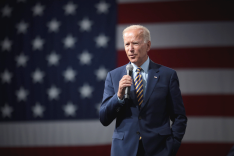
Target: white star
6 76
69 41
6 11
37 76
53 25
86 91
22 27
70 8
6 111
85 57
102 7
53 58
38 9
98 107
70 109
21 60
101 73
101 40
21 94
85 24
69 74
53 93
6 44
37 43
38 110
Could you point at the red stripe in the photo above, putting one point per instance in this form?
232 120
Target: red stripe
175 11
219 57
186 149
206 149
103 150
209 105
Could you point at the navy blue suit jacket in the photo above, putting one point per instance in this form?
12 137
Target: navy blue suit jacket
162 102
231 152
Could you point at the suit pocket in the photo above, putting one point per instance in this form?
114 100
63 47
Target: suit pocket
163 130
118 135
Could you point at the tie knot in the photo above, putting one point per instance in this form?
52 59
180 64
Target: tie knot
139 69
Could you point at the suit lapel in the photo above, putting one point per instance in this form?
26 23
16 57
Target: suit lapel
153 77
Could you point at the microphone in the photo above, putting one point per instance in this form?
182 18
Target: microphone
129 69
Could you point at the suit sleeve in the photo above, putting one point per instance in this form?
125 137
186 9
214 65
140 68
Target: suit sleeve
110 104
177 111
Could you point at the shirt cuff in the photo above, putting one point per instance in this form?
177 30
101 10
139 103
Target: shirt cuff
120 101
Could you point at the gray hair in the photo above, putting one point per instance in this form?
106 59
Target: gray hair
146 32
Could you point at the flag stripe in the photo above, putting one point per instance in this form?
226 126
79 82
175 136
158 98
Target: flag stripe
209 129
140 1
184 35
209 105
55 133
206 57
185 149
199 129
58 150
175 11
204 149
206 81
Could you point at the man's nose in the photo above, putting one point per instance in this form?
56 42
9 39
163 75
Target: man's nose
131 47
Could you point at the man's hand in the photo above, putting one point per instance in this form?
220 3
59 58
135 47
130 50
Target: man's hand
126 81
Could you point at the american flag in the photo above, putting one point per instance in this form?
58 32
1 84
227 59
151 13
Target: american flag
55 55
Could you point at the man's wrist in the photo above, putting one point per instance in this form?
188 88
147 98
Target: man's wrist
120 100
120 97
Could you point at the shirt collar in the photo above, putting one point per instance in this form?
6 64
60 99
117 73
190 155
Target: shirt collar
144 66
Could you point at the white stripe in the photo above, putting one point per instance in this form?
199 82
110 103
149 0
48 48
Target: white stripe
187 34
63 133
55 133
212 129
206 81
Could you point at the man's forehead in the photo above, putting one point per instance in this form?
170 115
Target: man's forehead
134 31
134 34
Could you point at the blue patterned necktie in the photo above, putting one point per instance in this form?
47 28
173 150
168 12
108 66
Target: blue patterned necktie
139 86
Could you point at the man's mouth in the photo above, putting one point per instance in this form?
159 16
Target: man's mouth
131 56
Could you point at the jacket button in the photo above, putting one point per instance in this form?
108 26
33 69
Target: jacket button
139 117
117 110
138 133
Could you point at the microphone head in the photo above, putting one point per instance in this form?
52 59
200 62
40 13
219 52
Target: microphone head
129 67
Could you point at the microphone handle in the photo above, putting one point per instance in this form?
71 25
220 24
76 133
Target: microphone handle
127 89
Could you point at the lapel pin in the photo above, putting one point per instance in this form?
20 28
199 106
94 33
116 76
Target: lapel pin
155 77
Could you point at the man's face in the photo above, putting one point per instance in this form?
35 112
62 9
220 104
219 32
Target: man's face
135 47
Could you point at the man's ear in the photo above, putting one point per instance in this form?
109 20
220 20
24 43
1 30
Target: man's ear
148 46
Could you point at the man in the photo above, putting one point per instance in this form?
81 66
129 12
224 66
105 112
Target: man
143 121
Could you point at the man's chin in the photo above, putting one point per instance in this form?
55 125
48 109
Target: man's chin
133 61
